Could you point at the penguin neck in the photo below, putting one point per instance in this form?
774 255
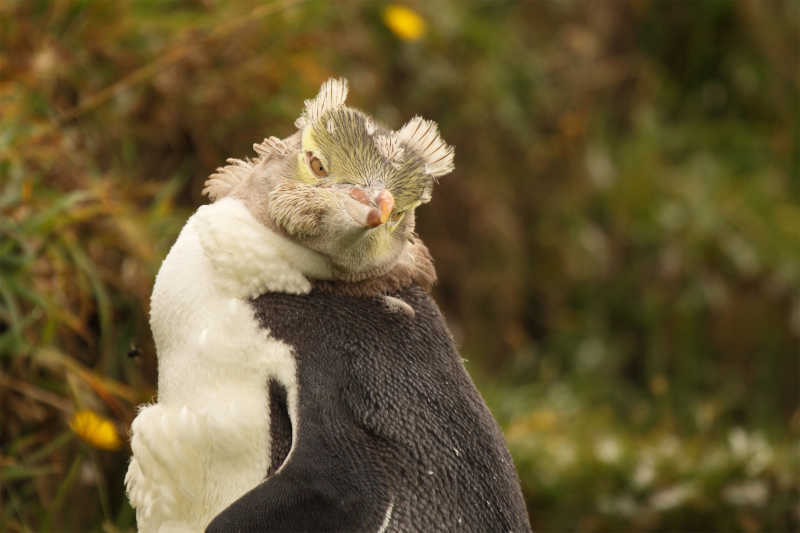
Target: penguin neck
413 268
250 258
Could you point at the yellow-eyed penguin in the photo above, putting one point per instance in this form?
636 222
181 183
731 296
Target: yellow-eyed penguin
307 380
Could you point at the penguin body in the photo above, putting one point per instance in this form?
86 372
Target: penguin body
390 432
306 379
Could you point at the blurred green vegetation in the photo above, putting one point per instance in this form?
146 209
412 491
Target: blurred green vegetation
618 249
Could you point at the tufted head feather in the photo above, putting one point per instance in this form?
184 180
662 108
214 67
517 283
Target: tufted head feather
331 95
389 147
422 136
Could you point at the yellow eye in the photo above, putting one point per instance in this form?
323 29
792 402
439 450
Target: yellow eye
395 220
316 165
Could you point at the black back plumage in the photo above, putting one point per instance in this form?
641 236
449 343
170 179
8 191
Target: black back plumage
388 418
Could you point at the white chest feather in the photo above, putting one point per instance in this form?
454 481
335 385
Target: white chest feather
206 441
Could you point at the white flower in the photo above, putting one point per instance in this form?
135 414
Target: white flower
644 474
608 450
739 442
754 448
671 497
761 455
746 493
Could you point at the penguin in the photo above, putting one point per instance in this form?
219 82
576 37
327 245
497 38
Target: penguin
307 379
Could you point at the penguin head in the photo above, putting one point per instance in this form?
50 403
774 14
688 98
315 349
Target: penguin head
342 185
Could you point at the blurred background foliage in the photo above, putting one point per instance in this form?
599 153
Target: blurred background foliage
618 249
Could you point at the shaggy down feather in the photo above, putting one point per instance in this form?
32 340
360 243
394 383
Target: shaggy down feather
206 441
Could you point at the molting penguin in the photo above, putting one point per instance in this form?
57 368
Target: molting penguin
307 380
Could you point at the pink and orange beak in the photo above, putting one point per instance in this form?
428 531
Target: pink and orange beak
381 205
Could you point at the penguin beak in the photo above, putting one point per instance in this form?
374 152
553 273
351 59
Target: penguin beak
381 205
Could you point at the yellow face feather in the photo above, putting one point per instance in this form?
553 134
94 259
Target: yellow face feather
347 142
304 172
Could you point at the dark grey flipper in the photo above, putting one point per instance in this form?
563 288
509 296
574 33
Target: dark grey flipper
390 424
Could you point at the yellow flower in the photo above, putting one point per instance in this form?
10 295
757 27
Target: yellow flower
95 429
404 22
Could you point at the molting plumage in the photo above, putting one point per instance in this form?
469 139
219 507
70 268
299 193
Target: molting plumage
206 441
296 342
343 184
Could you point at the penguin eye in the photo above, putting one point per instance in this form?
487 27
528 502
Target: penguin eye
395 220
316 165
